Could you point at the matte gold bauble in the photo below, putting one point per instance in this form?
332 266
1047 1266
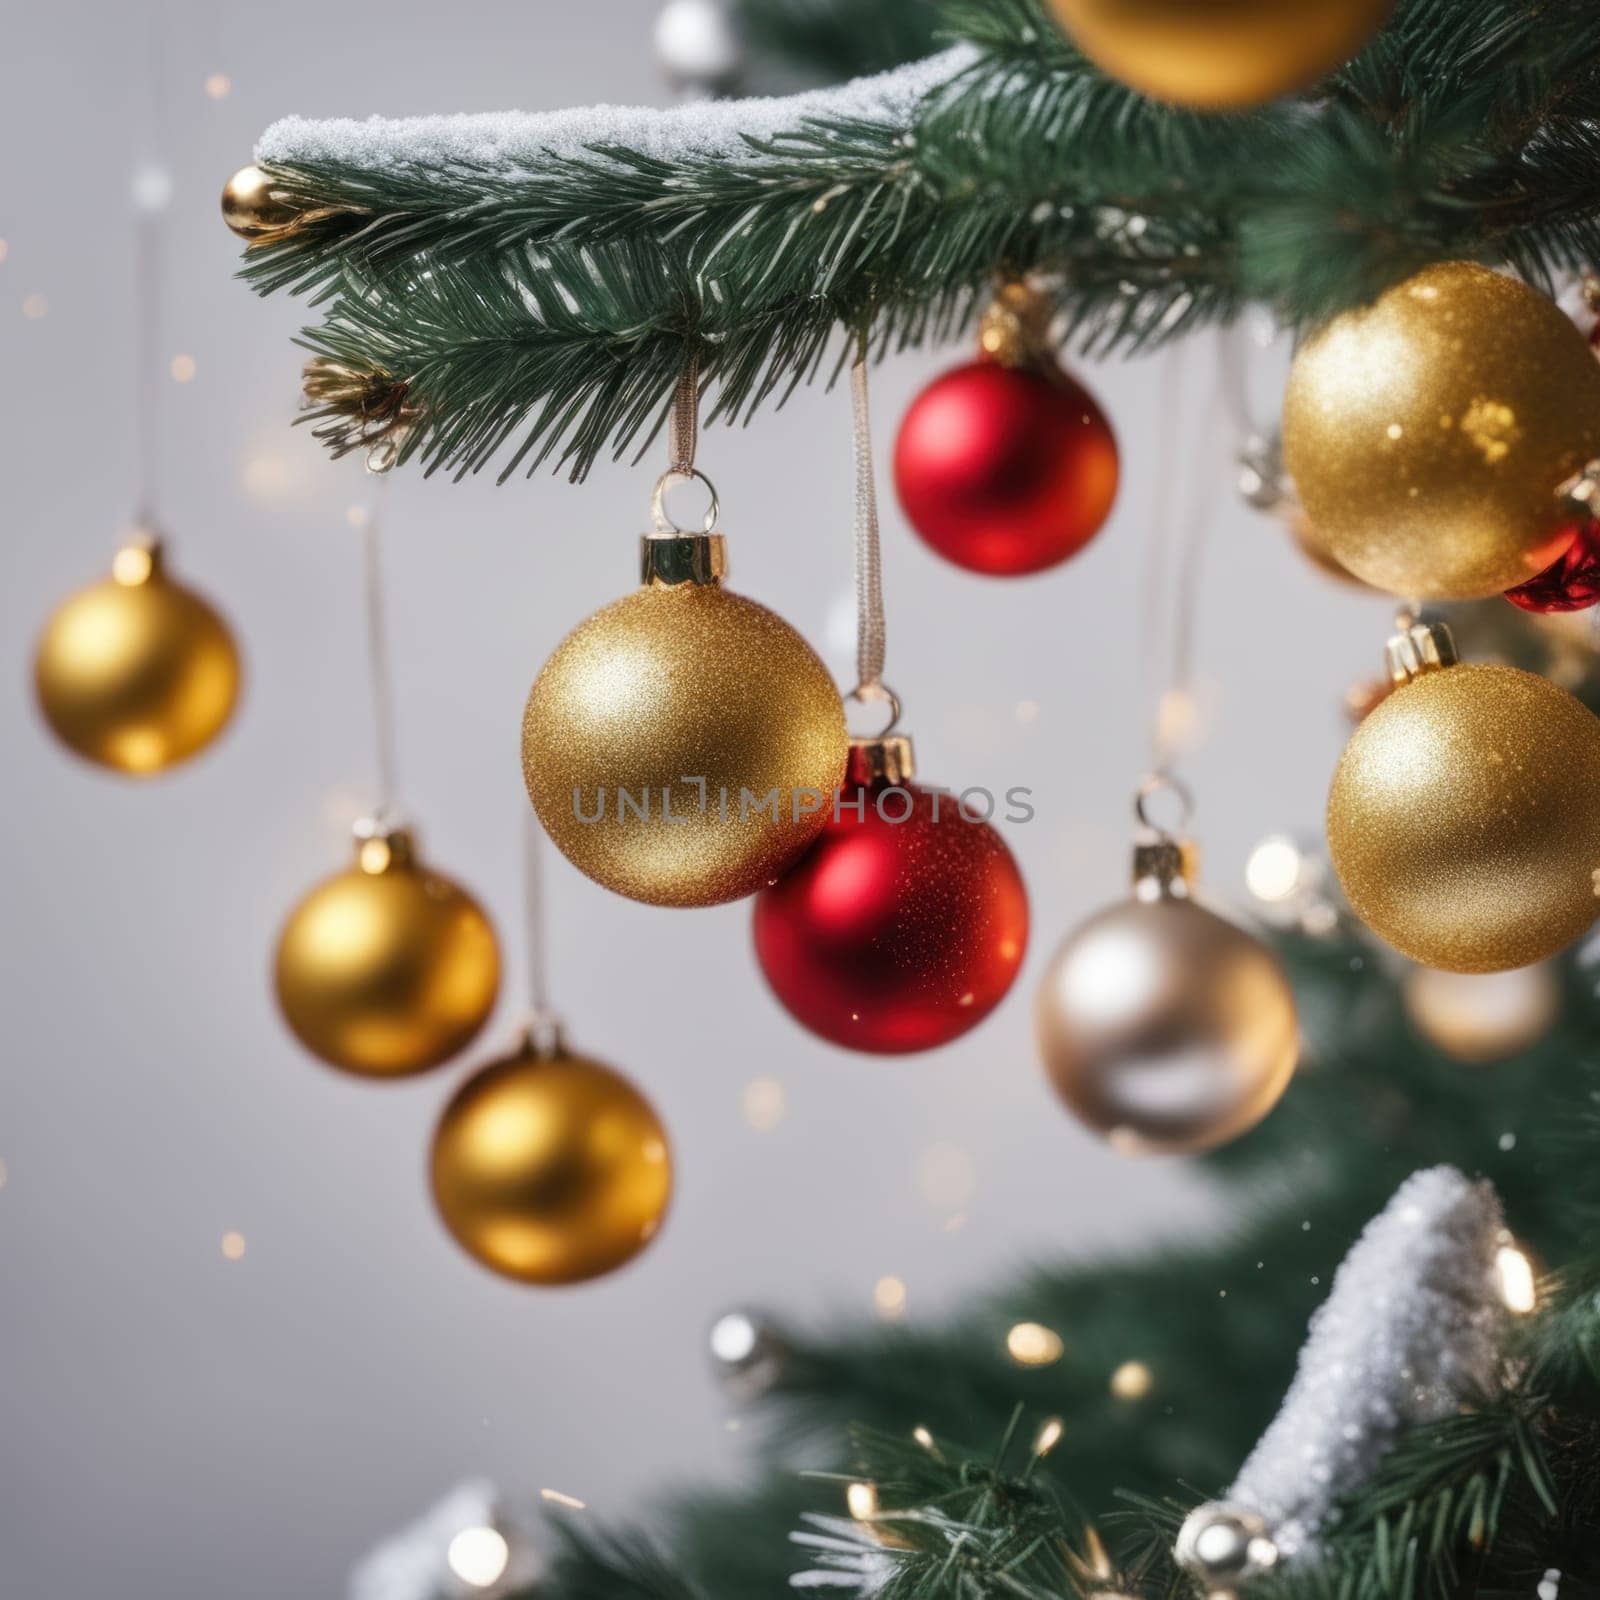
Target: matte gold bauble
387 969
137 673
252 207
1429 435
683 745
551 1168
1164 1027
1220 54
1483 1016
1464 818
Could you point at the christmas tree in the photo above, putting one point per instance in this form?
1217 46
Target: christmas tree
526 290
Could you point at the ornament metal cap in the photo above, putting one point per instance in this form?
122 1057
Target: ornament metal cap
1420 647
888 758
1221 1542
1016 326
383 844
1164 868
1165 863
668 560
139 558
541 1037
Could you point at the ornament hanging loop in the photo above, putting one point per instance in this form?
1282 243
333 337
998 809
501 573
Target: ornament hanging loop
876 694
683 425
1164 783
666 526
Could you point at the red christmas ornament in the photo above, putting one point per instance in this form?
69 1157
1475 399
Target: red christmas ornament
1006 469
1570 584
904 925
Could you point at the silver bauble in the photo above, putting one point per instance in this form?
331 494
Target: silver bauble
1222 1543
748 1352
1164 1027
698 45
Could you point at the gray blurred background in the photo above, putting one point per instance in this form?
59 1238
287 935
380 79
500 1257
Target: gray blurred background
179 1425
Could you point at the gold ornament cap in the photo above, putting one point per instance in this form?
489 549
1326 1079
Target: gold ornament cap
668 560
384 845
888 758
139 560
1015 329
1420 647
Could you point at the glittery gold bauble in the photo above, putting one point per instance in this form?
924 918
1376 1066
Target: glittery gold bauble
1220 54
683 745
1464 819
138 672
1483 1016
1429 434
387 969
1164 1027
1464 815
551 1168
252 208
1310 544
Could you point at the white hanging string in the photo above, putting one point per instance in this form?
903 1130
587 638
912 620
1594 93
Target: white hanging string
1183 524
533 921
151 195
871 632
378 666
1159 563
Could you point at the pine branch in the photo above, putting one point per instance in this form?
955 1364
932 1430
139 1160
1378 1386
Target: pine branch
612 1566
1468 129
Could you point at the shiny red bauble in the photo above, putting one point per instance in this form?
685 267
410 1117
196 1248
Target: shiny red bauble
902 927
1570 584
1006 469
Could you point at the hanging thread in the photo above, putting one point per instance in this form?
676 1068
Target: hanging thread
684 426
151 194
871 633
683 437
544 1031
1177 551
378 648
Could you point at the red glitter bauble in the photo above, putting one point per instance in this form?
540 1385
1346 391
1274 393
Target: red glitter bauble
1570 584
1006 469
901 928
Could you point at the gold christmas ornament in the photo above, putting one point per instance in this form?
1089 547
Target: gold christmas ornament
254 207
137 672
1464 817
1164 1027
1431 434
683 745
550 1168
1483 1017
1220 54
386 969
